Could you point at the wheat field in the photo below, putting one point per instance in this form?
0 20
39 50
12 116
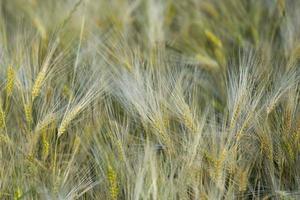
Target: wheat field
150 99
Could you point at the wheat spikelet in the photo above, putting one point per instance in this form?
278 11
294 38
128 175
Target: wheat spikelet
254 34
158 126
294 139
121 152
266 147
296 52
112 178
297 141
209 9
45 145
127 65
210 159
232 167
165 121
161 133
281 7
271 107
206 62
30 157
28 113
18 193
159 129
42 124
297 134
235 115
40 27
38 84
290 151
220 56
74 109
56 186
203 196
5 139
219 165
2 115
10 81
67 92
189 122
211 37
188 118
298 126
76 143
242 180
67 119
288 120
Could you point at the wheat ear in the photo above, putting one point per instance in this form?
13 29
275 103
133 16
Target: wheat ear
67 119
112 178
38 84
10 81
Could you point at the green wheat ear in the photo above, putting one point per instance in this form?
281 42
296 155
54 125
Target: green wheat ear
2 115
45 144
281 6
113 184
28 113
10 80
18 193
213 39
